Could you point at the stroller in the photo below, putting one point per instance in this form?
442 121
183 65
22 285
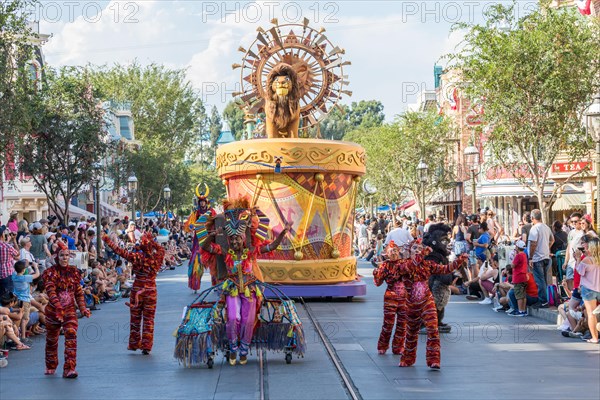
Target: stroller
202 334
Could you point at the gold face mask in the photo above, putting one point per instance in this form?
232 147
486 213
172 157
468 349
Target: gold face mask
281 85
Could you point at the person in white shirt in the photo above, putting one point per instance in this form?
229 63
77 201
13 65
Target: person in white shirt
573 240
540 240
399 235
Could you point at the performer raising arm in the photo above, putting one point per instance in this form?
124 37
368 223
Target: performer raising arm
242 295
146 262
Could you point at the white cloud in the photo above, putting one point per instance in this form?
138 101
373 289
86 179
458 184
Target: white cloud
390 58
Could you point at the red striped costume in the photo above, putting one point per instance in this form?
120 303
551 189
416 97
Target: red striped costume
394 309
421 308
63 286
146 264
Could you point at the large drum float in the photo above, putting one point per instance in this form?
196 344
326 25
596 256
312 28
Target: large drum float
290 82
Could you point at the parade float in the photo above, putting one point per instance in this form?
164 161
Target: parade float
292 76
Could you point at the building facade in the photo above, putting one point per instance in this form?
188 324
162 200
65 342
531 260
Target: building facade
17 192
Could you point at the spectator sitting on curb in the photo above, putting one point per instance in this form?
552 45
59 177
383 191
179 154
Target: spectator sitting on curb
487 275
502 288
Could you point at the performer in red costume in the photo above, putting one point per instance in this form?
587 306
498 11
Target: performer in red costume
415 272
394 304
63 286
146 262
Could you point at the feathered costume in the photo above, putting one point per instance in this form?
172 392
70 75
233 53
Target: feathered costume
63 286
195 266
249 227
146 262
409 265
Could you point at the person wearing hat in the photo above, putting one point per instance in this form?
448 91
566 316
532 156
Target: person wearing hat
39 242
520 278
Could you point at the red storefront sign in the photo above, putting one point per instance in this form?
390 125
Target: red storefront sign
571 167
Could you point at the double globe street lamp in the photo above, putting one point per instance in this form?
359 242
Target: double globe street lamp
132 186
167 196
592 122
472 162
422 170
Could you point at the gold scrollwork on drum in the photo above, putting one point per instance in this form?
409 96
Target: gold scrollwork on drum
259 156
309 272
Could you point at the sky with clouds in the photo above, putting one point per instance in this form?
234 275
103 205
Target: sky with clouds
393 45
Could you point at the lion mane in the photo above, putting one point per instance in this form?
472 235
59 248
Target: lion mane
283 113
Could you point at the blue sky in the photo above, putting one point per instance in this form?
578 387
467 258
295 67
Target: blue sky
393 45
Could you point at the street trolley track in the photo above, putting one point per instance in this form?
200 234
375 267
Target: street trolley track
346 381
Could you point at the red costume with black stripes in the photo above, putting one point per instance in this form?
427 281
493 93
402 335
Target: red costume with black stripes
63 287
145 265
394 309
408 264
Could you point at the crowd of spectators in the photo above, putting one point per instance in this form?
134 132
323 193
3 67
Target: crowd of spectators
542 266
27 249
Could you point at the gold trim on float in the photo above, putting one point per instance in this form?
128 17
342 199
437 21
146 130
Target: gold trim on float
257 156
310 272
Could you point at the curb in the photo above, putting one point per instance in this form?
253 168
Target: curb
547 314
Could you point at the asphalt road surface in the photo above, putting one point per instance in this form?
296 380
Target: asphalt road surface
487 356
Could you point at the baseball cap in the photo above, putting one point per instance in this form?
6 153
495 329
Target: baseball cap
49 234
520 244
36 225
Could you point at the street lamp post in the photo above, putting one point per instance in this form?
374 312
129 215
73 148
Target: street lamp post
96 182
167 195
472 161
132 185
592 117
422 169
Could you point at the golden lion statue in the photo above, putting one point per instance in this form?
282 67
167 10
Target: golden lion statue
282 107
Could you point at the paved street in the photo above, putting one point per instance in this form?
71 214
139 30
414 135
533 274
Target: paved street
487 356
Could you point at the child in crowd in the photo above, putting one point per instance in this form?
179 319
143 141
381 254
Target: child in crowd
519 280
22 289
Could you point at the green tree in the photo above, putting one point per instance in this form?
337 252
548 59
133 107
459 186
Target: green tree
16 52
336 124
214 126
234 116
168 115
536 75
394 151
68 138
153 174
366 114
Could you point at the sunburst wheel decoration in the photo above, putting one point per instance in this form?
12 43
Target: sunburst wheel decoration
317 61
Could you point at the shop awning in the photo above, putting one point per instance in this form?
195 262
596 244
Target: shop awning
74 211
407 205
107 210
569 202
